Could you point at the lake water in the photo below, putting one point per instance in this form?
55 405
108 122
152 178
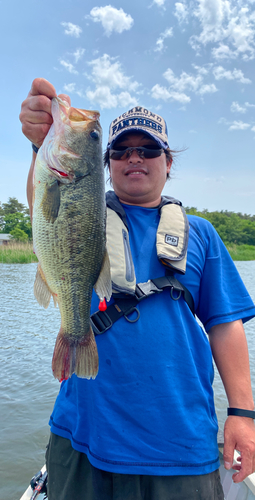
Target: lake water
27 386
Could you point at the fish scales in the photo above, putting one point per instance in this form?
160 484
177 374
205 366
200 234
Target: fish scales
69 233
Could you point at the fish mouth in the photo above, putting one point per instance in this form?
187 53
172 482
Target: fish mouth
57 154
82 115
77 116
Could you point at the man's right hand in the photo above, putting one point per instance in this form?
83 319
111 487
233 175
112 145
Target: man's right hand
35 116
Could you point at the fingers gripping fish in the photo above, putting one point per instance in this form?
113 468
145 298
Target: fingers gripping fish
69 233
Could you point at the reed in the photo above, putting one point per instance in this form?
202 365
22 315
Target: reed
242 252
17 253
22 253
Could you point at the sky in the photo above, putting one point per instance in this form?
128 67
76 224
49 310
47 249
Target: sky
191 61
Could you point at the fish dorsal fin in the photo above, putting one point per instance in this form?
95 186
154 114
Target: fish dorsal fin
42 292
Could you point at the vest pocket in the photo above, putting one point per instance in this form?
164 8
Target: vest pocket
128 258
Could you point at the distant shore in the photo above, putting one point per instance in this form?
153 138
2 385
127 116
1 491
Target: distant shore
17 253
22 253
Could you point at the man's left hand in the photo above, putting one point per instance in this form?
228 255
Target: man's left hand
239 434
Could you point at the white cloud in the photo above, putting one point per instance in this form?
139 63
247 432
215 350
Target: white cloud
239 125
159 3
112 19
107 100
107 71
223 120
236 108
70 87
160 42
78 54
219 73
159 92
186 82
72 29
228 23
223 52
108 77
125 99
69 67
241 32
207 89
253 129
181 12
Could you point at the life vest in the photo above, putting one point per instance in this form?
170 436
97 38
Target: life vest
171 244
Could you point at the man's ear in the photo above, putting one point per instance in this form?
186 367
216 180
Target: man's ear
168 165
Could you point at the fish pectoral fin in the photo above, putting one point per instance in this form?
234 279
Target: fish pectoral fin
42 291
51 201
103 286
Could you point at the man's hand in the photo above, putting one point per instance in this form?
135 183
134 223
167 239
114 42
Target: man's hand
239 434
35 116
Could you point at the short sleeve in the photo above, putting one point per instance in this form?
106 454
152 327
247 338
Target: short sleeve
223 296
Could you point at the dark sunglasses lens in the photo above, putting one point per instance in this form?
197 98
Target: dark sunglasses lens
116 155
152 153
143 152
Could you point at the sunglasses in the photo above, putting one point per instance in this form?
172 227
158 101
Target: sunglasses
123 153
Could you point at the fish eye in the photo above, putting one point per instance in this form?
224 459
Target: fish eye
94 134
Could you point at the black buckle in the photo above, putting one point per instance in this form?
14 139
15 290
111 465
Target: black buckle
143 290
100 322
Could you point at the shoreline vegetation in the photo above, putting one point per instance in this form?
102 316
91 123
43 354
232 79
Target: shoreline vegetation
22 253
17 253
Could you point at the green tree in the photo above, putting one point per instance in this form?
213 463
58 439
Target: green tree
16 220
232 227
12 206
19 235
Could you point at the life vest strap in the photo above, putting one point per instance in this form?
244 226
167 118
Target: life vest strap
101 321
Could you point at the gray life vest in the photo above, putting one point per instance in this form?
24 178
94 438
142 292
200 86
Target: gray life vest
171 244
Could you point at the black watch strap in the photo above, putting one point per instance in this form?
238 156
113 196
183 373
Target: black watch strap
238 412
35 148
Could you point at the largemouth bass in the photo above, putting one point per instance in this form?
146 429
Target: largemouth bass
69 233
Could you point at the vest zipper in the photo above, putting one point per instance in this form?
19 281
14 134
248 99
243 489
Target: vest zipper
128 257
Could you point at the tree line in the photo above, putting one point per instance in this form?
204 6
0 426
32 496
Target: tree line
232 227
15 220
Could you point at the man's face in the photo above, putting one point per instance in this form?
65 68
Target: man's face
135 180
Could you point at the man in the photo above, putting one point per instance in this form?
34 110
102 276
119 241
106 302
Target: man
146 428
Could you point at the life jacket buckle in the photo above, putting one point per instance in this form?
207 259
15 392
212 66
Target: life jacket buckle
100 322
146 289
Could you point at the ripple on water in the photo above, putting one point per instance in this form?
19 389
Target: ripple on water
27 387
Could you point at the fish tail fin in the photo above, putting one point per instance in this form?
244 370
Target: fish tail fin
77 356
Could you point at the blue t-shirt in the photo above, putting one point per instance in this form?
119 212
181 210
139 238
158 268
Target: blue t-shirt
150 409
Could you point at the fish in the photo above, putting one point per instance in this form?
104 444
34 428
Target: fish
69 234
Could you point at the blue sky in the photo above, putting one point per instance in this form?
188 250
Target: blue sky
192 61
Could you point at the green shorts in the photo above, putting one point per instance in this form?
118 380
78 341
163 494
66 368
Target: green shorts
72 477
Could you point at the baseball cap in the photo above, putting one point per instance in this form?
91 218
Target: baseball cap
139 119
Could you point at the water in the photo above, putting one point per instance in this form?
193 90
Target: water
27 387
